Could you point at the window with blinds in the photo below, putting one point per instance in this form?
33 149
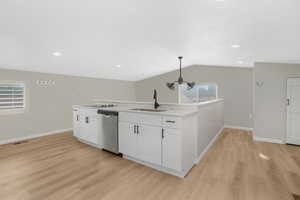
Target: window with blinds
12 96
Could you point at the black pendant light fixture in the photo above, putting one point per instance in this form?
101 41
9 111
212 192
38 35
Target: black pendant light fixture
180 80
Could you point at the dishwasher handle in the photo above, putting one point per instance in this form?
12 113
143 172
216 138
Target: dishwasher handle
107 113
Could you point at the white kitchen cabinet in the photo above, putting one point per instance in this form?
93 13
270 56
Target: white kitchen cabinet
76 122
140 141
171 149
85 125
165 143
149 143
127 139
88 129
186 136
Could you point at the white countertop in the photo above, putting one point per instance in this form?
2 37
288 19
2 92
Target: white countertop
169 112
171 109
98 101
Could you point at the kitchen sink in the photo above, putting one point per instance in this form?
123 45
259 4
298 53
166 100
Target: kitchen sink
148 110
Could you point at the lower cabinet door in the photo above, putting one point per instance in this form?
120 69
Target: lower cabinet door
171 148
93 127
149 144
76 124
127 139
89 129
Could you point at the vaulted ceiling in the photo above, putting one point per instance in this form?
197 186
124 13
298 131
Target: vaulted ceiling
135 39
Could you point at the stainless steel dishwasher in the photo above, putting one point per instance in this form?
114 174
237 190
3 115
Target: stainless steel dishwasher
108 130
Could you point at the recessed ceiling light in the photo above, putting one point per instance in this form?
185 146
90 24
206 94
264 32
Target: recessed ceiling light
235 46
219 0
56 53
118 66
240 62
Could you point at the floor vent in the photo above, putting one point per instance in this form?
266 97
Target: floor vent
296 197
21 142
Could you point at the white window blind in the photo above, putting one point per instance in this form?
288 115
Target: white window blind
12 96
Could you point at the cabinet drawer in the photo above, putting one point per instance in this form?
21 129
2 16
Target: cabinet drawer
172 122
140 118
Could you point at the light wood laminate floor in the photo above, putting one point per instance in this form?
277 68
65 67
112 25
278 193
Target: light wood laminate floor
59 167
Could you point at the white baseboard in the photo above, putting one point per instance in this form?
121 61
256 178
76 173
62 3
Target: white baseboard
239 127
13 140
271 140
198 159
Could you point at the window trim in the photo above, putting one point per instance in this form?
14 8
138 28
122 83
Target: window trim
201 83
16 110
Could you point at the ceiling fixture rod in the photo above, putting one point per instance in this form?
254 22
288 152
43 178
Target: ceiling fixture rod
180 80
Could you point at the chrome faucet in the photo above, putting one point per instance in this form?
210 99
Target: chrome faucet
156 105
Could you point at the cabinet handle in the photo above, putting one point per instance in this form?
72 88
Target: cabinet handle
137 130
87 120
134 129
170 121
77 117
162 133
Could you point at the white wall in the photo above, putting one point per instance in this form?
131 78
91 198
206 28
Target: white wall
235 86
210 123
270 99
50 108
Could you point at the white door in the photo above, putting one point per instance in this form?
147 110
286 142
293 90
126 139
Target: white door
127 139
149 143
171 147
293 111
